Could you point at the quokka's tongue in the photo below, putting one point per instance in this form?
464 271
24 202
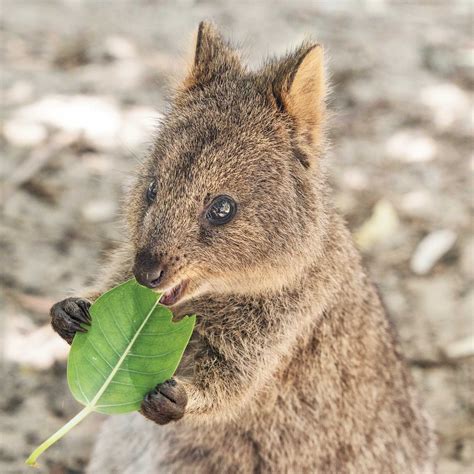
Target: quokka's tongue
170 297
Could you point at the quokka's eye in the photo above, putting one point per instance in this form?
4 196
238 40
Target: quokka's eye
151 192
221 210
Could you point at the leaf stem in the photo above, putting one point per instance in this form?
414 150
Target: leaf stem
31 461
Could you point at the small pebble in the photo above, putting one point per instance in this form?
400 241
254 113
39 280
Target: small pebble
118 47
24 133
98 211
411 146
430 250
21 91
461 348
381 226
448 104
417 203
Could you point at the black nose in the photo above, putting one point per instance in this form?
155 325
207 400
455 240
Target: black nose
150 279
147 270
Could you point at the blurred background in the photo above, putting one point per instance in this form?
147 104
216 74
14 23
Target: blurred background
83 83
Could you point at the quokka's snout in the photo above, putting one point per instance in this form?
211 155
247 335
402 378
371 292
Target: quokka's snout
149 268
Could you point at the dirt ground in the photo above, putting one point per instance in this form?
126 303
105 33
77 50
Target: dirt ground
82 86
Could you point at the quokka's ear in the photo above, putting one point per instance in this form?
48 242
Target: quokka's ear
213 57
299 88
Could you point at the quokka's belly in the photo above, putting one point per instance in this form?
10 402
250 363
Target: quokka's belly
278 441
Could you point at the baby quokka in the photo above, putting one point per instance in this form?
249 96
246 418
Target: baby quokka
294 366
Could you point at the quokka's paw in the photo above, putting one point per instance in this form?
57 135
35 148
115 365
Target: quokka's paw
68 315
167 402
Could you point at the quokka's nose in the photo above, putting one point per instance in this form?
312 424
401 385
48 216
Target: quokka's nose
147 270
150 279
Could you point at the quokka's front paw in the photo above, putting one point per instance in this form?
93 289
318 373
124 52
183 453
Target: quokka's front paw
68 315
167 402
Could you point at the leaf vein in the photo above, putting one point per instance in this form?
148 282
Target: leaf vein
89 340
95 367
121 331
181 328
129 384
107 339
80 385
154 356
118 404
144 373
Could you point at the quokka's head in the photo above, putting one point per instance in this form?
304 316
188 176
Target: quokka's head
230 199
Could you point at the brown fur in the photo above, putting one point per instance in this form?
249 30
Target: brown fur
293 367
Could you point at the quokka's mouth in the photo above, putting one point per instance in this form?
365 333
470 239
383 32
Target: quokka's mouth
172 296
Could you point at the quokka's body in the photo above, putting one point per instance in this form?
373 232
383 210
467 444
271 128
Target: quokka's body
294 366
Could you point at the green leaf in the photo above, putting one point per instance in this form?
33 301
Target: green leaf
131 346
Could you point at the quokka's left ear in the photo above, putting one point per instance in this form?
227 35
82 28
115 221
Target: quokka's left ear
299 88
213 57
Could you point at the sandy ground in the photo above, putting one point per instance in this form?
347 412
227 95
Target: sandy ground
82 85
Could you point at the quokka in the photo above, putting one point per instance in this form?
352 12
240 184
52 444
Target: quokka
294 366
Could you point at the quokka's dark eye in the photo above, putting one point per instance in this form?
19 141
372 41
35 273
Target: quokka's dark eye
221 211
151 192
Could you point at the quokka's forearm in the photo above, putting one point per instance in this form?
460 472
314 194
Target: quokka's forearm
221 393
222 385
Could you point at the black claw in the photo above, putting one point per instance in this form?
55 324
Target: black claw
78 324
85 305
83 318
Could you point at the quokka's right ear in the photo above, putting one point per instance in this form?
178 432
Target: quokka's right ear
298 87
213 57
